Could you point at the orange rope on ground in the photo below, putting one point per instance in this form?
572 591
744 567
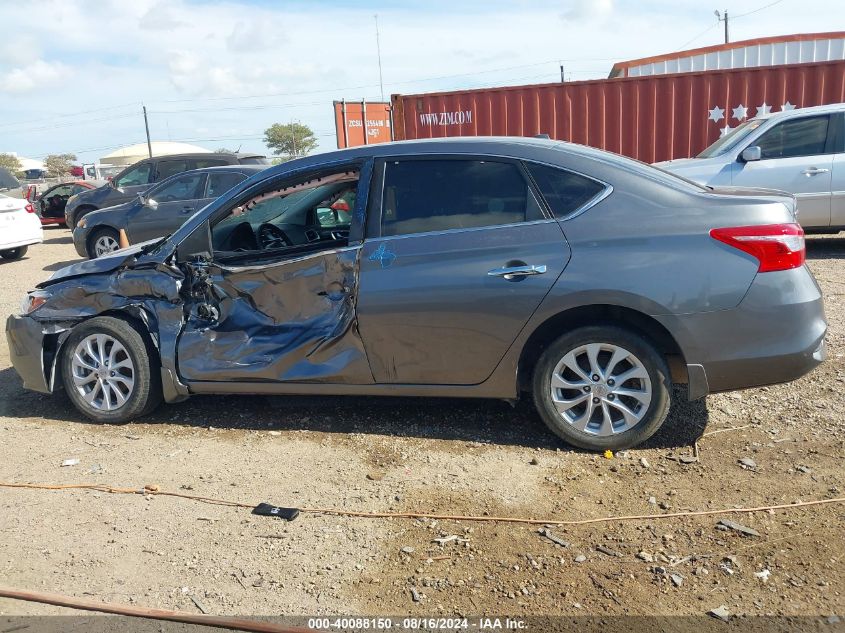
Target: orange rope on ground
237 624
154 490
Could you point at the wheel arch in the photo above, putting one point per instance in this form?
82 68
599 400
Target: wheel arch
600 314
81 210
137 317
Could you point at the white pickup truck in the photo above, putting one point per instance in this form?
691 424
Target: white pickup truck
800 151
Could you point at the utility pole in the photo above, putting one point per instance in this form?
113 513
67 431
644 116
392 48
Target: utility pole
147 127
561 74
724 18
378 50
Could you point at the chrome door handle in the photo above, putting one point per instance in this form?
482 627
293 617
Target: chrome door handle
812 171
509 272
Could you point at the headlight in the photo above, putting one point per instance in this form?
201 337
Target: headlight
33 301
81 223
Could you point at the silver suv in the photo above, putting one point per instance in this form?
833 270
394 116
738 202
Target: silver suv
799 151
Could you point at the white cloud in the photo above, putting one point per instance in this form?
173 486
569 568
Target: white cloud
253 36
18 48
588 10
161 17
28 78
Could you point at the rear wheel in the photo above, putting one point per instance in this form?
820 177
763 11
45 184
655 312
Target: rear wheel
108 372
14 253
602 387
102 242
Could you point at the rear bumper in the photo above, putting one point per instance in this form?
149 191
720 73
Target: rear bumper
26 350
775 335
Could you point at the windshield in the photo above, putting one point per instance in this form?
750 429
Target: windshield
731 139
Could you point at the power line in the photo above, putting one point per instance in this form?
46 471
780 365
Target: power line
742 15
63 116
688 42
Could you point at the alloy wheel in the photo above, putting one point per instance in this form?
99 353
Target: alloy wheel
103 372
601 389
105 244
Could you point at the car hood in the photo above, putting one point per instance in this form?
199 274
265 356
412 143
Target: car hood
680 162
104 264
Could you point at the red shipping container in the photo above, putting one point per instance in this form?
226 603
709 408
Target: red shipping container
361 123
651 118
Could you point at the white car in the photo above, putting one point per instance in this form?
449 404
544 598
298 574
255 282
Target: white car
19 227
799 151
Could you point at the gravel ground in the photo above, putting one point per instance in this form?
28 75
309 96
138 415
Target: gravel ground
444 456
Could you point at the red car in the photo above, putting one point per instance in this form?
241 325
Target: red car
50 205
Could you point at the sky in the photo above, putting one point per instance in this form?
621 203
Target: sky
74 75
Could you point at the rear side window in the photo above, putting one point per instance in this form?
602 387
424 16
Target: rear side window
209 162
220 183
564 191
796 137
439 195
168 168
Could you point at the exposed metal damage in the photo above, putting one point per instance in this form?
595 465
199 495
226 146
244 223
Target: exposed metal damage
294 321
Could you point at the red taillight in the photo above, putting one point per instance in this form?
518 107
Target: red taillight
29 208
776 246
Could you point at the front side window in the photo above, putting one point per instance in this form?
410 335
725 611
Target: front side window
317 212
184 188
564 191
64 190
138 176
796 137
439 195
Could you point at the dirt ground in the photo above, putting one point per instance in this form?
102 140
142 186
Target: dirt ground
442 456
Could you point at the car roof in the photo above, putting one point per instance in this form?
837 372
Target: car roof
787 114
515 147
235 167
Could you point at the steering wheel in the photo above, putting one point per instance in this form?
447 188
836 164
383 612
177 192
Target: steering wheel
271 236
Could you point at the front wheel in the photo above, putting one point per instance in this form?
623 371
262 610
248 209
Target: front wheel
602 387
108 371
102 242
14 253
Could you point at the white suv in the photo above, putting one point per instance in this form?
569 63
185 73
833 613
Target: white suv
799 151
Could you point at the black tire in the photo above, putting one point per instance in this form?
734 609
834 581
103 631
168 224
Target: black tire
643 351
14 253
146 393
105 231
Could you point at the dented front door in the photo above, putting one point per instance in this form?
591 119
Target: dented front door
289 321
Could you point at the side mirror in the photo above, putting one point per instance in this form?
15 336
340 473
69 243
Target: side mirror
198 243
750 154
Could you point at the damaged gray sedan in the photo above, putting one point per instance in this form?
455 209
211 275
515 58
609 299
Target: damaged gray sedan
484 268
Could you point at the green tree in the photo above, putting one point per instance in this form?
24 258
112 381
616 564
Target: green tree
7 161
224 150
290 140
58 165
